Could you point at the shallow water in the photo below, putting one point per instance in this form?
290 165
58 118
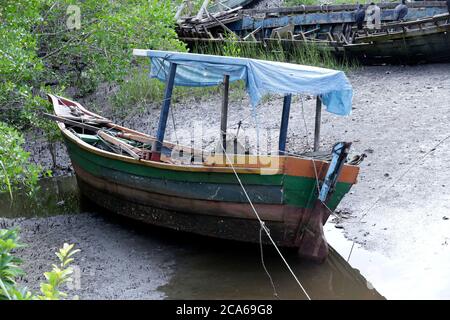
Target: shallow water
55 196
221 270
203 268
406 276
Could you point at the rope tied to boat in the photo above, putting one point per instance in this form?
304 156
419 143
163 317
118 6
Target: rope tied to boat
263 226
316 174
365 212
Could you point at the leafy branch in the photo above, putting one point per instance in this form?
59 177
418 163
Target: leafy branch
59 275
10 271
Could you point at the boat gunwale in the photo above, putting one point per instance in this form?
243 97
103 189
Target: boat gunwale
400 35
336 8
280 170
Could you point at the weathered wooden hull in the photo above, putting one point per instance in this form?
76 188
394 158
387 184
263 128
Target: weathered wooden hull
158 210
326 19
208 200
329 29
410 47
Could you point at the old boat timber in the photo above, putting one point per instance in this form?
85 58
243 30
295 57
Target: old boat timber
134 174
422 40
422 37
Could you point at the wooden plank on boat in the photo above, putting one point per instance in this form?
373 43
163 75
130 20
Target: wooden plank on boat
85 119
337 7
136 137
419 22
71 122
283 32
149 140
251 35
123 145
400 34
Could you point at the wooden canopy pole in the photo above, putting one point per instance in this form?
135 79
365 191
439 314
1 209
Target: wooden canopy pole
224 113
317 124
157 145
284 124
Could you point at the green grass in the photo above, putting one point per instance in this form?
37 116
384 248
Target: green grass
306 54
140 91
136 93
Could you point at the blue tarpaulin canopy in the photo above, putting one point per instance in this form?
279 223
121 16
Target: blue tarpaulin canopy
261 77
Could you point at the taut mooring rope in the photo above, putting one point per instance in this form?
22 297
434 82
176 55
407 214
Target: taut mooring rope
263 226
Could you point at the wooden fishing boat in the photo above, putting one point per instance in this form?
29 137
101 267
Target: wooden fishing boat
137 175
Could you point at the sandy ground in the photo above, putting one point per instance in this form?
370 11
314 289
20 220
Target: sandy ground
401 205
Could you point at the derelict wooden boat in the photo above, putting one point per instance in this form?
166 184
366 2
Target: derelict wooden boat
317 21
120 169
423 40
423 37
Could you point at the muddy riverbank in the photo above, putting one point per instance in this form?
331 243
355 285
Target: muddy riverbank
122 259
400 114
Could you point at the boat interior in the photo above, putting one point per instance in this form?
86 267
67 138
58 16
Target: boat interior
103 134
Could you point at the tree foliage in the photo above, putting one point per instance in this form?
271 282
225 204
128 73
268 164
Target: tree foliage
15 169
43 51
20 66
100 50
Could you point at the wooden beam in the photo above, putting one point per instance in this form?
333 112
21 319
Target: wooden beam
252 34
224 113
202 10
121 144
71 122
225 28
157 145
284 124
337 7
317 124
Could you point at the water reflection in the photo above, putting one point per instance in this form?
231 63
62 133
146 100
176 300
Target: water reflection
55 196
226 270
407 276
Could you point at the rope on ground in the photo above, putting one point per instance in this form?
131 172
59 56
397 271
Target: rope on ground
418 160
263 226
